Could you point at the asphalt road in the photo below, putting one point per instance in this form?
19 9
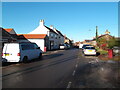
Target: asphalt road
48 72
62 69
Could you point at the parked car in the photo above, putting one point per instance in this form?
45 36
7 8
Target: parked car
63 46
81 45
68 46
89 50
20 52
116 50
84 45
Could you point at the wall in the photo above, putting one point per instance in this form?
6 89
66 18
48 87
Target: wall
39 42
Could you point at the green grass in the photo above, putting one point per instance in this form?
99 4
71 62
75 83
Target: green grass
101 51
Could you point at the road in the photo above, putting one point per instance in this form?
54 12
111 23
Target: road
62 69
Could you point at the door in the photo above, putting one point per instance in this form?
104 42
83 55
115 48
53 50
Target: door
11 51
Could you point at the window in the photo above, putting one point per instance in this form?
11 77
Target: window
55 36
35 46
51 35
28 47
89 48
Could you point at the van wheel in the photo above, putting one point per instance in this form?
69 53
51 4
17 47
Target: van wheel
40 55
25 59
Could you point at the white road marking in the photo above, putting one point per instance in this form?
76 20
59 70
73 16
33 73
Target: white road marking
76 65
69 84
102 69
73 73
55 51
97 60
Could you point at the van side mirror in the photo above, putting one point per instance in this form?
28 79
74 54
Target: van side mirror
38 48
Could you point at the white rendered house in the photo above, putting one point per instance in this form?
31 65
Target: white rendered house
40 39
53 36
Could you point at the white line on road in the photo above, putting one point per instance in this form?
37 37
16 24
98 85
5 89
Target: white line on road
69 84
73 73
76 65
55 51
102 69
97 60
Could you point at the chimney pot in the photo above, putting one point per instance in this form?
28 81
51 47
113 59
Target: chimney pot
51 26
42 22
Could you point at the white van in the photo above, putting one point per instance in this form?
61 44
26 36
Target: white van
20 52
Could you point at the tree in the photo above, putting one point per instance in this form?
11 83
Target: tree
102 43
112 42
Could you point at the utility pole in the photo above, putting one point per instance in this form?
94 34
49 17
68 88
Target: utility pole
96 33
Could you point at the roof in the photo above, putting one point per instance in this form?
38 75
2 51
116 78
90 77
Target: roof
88 40
102 36
60 33
7 35
51 30
66 37
8 29
31 36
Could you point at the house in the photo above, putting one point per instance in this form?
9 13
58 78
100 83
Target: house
40 39
8 35
87 42
77 44
106 36
10 30
68 41
60 36
50 32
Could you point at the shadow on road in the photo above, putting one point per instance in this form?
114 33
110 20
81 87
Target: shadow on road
45 57
51 56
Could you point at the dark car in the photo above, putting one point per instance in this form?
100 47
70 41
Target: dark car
116 50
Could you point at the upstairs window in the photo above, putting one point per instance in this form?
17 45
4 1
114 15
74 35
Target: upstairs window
51 35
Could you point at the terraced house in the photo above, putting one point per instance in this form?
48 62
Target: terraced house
55 36
51 40
47 38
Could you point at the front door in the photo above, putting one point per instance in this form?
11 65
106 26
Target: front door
51 45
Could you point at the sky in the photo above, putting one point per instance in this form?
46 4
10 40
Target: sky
76 20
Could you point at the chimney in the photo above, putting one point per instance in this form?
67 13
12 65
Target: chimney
42 22
51 27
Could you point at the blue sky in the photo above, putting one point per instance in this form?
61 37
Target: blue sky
75 19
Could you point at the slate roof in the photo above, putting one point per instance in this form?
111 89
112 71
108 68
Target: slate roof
51 30
60 33
7 35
